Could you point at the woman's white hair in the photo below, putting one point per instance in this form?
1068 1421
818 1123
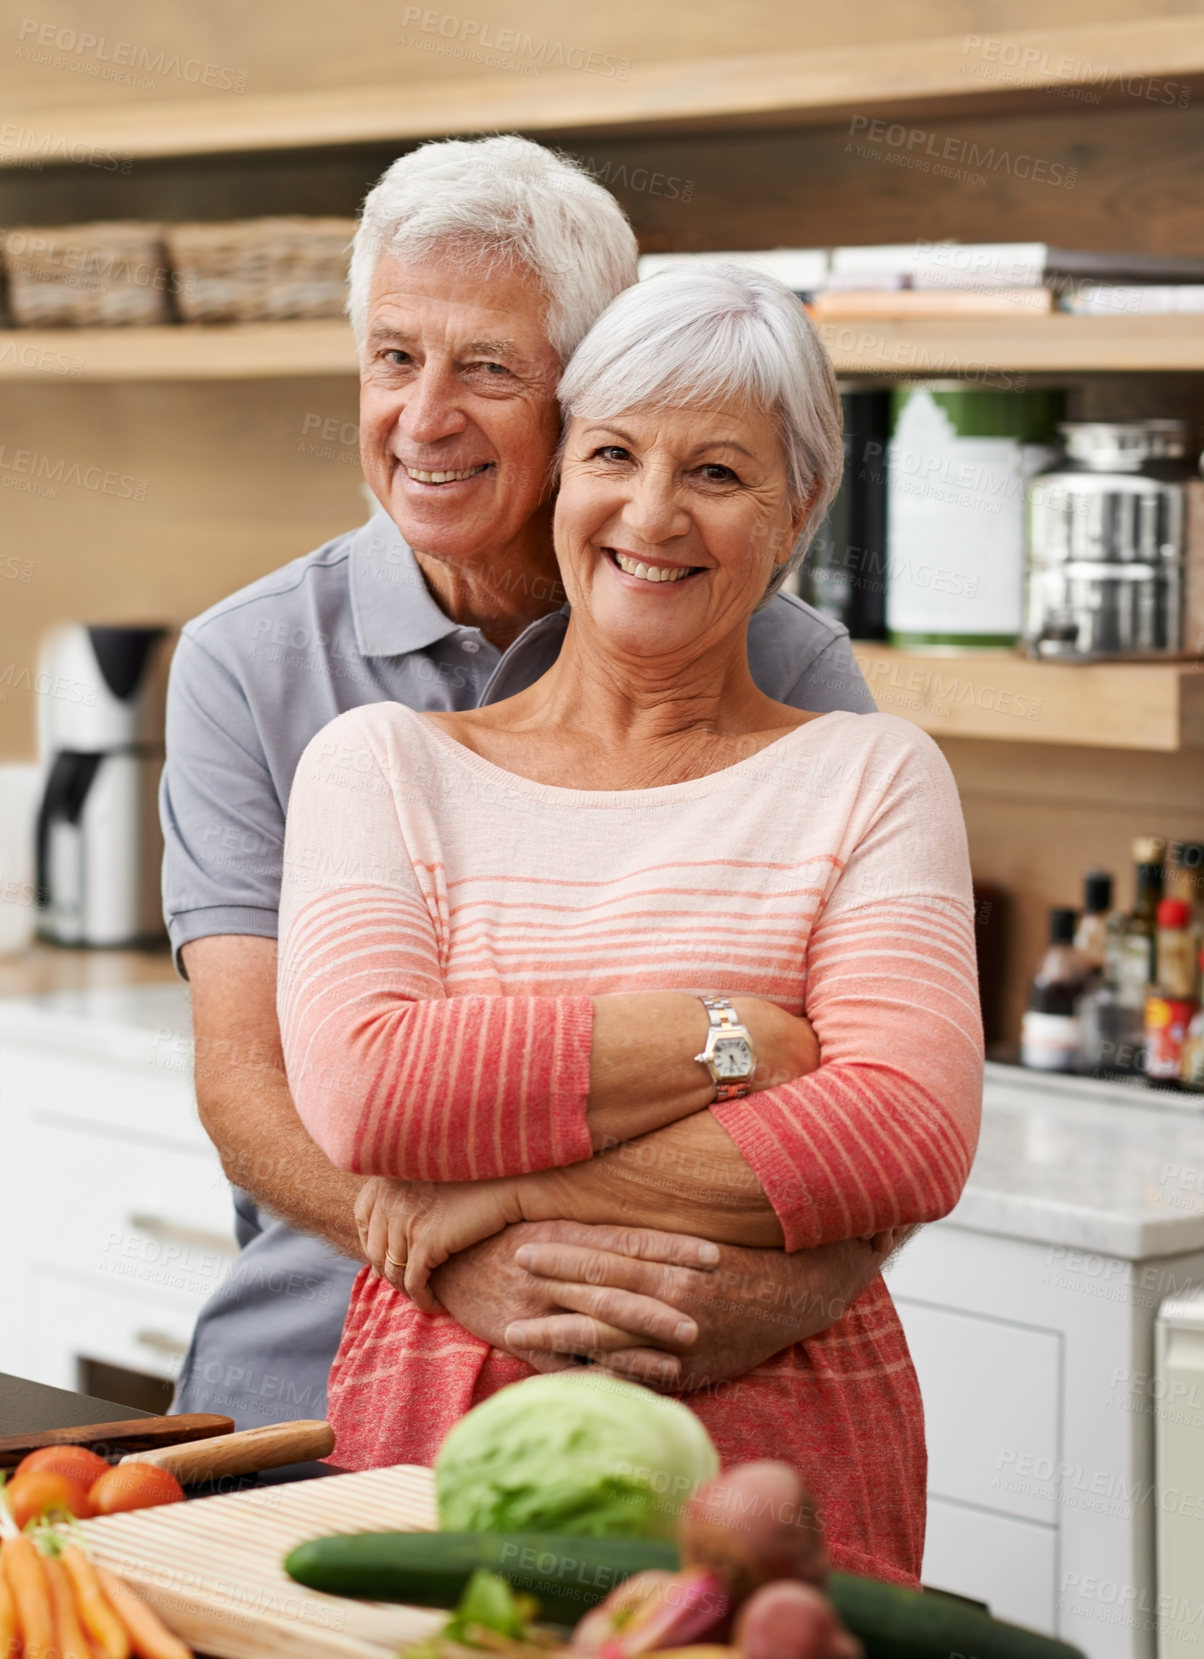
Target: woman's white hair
500 202
719 334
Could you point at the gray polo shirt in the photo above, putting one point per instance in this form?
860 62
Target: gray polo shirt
252 681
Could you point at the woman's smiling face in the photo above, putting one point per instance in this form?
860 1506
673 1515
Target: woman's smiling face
670 523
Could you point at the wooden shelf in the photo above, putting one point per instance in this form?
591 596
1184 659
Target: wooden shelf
1056 344
923 77
998 694
957 347
245 351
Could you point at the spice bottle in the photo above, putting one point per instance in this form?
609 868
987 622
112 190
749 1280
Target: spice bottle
1170 1004
1098 924
1136 964
1049 1031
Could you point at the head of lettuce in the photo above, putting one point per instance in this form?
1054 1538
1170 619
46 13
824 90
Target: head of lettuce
576 1452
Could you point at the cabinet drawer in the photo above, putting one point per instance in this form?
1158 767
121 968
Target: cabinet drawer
149 1216
991 1394
1009 1564
151 1102
67 1319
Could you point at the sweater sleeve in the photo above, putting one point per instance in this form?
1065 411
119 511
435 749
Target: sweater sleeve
389 1075
882 1135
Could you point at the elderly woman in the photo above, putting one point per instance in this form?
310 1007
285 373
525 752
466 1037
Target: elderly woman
563 968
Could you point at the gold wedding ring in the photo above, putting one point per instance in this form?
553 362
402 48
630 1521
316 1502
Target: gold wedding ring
392 1261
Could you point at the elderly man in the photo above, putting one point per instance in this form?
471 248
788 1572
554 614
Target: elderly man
477 268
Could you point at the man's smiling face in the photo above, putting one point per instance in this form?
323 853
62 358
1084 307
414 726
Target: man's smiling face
458 415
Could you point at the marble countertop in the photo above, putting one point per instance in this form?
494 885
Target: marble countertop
1099 1167
122 1024
42 968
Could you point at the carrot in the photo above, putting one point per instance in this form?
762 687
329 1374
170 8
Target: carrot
72 1643
10 1639
96 1616
149 1636
31 1592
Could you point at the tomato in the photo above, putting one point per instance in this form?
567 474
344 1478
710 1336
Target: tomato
77 1463
133 1486
41 1494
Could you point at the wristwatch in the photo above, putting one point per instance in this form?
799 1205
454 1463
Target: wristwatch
729 1054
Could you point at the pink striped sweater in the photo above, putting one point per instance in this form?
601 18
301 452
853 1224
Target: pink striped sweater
444 924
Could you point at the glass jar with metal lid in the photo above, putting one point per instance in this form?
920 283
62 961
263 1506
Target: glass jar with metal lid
1106 532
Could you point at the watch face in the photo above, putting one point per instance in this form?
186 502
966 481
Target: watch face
732 1057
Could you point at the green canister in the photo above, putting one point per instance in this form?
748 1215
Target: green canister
959 462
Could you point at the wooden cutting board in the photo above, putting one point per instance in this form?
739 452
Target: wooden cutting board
212 1567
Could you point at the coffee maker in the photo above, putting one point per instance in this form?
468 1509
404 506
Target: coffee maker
100 741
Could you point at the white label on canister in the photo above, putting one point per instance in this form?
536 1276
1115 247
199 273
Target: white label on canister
955 526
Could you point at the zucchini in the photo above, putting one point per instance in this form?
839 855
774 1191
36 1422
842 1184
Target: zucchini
569 1575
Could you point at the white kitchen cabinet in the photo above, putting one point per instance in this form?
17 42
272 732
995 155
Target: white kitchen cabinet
117 1223
1012 1564
1030 1314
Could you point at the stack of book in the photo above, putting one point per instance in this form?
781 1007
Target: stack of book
970 279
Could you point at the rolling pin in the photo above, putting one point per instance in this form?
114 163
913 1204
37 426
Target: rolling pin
242 1453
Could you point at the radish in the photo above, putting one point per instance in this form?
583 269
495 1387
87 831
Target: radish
753 1524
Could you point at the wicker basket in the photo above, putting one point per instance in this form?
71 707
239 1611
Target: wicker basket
258 270
108 273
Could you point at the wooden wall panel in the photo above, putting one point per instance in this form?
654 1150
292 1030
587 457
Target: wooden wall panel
1038 817
1124 177
135 502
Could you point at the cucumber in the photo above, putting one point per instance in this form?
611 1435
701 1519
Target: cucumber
569 1575
894 1623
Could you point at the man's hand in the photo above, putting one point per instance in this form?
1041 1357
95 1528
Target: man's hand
487 1290
751 1306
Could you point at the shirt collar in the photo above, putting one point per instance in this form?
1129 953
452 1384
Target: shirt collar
391 606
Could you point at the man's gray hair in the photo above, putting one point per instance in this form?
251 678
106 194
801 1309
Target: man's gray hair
499 203
718 334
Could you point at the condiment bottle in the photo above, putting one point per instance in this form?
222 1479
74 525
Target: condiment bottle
1049 1031
1097 922
1175 958
1136 959
1185 874
1191 1067
1185 880
1170 1004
